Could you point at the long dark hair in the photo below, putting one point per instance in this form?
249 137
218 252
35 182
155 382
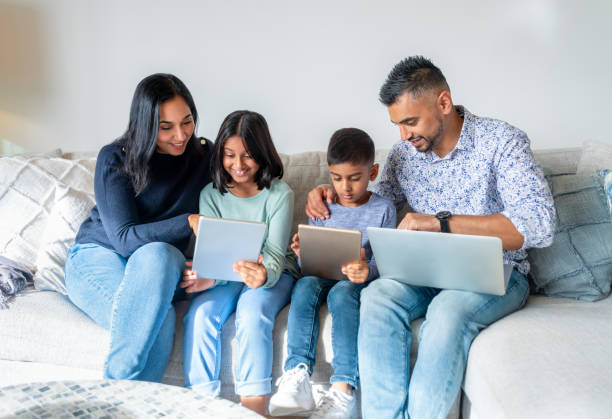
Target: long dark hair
140 139
253 129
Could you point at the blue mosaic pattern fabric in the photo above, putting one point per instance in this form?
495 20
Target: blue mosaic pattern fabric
606 178
491 170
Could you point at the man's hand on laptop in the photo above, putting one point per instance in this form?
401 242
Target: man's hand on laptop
315 206
419 222
358 271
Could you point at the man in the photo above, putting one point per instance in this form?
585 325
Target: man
462 174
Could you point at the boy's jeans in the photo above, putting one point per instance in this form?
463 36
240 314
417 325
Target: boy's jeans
133 299
256 310
303 325
453 319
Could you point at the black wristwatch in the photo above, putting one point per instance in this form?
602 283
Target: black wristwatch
443 217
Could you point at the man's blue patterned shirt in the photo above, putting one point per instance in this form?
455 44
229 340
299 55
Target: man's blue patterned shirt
491 170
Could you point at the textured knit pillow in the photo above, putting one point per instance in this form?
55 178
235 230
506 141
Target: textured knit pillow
579 262
71 208
595 156
27 186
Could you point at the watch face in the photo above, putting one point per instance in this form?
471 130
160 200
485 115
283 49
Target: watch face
443 215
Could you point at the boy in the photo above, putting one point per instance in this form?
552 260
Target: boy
350 158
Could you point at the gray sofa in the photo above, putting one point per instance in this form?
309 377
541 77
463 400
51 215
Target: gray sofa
551 359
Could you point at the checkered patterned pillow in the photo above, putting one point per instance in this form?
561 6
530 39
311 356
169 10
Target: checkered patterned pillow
27 187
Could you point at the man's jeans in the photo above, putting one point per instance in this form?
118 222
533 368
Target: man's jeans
452 320
133 299
303 325
256 310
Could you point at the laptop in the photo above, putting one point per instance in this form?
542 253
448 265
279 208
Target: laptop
323 250
221 242
441 260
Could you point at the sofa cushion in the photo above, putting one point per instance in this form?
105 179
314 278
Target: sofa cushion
595 156
44 326
304 171
548 360
579 262
27 186
70 209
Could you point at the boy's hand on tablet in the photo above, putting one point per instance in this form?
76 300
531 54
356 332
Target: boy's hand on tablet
295 245
315 206
192 283
194 221
357 272
253 274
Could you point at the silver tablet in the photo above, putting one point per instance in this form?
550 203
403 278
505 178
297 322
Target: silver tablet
221 242
324 250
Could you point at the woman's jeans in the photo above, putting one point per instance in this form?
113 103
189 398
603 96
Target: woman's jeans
452 320
133 299
256 310
303 325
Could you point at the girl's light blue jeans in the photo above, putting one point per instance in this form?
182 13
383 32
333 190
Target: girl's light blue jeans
452 320
256 310
133 299
303 325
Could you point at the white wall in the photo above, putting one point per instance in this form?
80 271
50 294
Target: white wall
69 67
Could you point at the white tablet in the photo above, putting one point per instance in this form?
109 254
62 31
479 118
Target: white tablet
222 242
323 250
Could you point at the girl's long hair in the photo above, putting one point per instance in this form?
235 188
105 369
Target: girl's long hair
253 129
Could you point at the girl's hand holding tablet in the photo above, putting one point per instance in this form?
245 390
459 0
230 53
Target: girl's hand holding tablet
254 275
295 244
192 283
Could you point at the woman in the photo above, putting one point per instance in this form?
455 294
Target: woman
128 256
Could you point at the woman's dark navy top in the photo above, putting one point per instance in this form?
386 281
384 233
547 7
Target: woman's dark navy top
123 222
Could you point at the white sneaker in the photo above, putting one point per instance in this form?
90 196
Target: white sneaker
294 394
335 404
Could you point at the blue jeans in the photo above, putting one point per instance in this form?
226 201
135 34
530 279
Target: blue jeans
452 320
303 325
133 299
256 310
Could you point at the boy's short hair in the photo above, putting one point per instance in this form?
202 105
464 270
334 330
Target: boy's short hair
350 145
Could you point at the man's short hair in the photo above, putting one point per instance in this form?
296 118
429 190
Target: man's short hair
416 75
350 145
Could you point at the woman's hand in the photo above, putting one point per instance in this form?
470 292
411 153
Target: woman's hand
357 272
315 207
192 283
295 245
253 274
194 222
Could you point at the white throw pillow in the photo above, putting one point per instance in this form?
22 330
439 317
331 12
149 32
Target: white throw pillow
27 186
595 156
71 208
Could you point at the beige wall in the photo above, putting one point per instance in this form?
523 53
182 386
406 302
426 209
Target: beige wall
68 67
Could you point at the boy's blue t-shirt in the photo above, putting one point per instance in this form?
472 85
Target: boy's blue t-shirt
377 212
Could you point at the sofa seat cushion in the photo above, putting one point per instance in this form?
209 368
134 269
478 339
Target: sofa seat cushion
551 359
44 326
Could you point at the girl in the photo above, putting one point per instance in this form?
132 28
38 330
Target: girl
246 172
127 259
